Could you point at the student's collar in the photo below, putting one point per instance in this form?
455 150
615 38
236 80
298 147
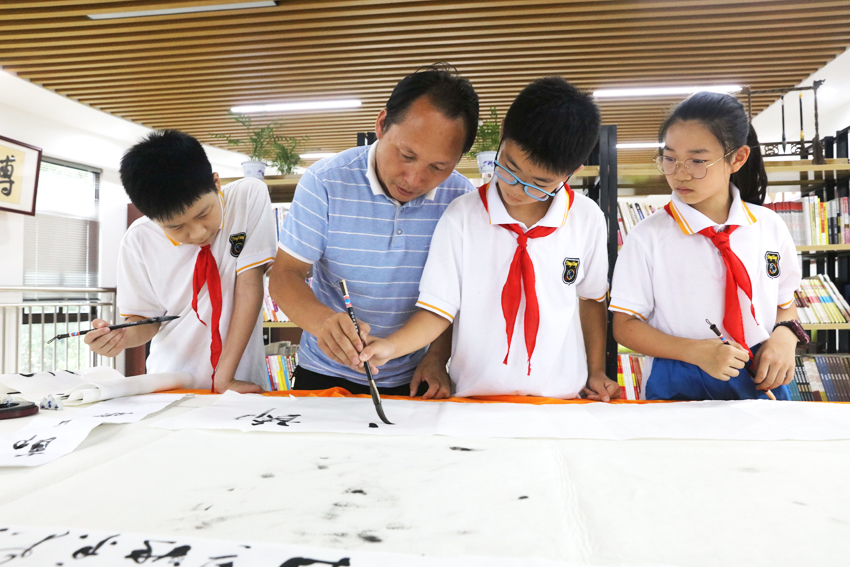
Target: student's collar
222 203
555 217
375 185
691 221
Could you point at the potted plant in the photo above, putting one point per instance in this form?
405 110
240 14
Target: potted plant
285 156
261 142
487 142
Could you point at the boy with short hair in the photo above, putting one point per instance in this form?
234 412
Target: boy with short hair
200 253
526 242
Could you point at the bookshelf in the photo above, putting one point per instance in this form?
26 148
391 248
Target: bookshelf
824 248
827 327
642 183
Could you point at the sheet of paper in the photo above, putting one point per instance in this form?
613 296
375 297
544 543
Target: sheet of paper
31 447
34 387
104 383
65 546
730 420
91 385
55 434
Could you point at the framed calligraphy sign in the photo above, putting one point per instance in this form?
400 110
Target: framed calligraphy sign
19 167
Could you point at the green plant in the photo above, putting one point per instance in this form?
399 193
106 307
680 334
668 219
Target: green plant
488 136
285 153
260 140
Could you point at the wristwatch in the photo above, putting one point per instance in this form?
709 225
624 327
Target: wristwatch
795 327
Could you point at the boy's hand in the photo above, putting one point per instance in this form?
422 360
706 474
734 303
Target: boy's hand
774 362
378 352
720 361
338 339
601 388
433 372
104 341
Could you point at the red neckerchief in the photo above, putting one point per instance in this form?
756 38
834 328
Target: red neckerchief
736 277
206 272
521 276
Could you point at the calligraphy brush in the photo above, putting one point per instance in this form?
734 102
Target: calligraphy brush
725 342
148 321
373 389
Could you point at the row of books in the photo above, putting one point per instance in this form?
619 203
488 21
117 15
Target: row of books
819 302
814 222
629 213
629 375
821 378
281 360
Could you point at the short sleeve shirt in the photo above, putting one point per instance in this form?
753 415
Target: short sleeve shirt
674 278
155 279
467 268
343 223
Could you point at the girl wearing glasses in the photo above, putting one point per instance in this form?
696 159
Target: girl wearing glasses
713 254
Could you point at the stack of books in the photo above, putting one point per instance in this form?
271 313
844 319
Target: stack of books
819 302
815 223
821 378
629 375
629 213
281 360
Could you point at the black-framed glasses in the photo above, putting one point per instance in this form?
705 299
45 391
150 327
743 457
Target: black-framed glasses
696 168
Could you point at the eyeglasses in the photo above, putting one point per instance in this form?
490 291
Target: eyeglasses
696 168
532 191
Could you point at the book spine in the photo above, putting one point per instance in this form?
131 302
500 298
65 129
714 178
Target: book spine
628 378
840 301
825 378
620 378
803 382
837 377
637 364
269 375
813 374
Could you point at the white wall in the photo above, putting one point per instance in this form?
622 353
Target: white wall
833 106
74 132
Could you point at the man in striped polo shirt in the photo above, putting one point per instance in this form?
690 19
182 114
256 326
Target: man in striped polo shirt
367 216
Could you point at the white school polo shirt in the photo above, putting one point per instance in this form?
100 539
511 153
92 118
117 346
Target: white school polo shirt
675 279
466 270
155 279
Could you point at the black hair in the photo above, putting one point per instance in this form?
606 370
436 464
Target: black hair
725 117
166 173
554 123
450 93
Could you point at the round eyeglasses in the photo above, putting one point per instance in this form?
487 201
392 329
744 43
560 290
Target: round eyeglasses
696 168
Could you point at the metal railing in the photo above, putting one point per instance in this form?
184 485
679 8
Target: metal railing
40 313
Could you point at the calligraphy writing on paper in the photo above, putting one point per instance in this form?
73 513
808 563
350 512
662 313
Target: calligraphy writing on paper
35 448
174 556
267 417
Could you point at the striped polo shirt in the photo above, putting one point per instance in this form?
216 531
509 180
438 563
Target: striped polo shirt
343 223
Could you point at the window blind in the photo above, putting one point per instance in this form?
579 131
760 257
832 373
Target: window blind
61 240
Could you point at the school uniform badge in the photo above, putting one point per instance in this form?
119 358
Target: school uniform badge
237 243
772 264
570 270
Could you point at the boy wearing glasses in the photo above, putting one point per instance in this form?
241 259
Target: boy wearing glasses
528 243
